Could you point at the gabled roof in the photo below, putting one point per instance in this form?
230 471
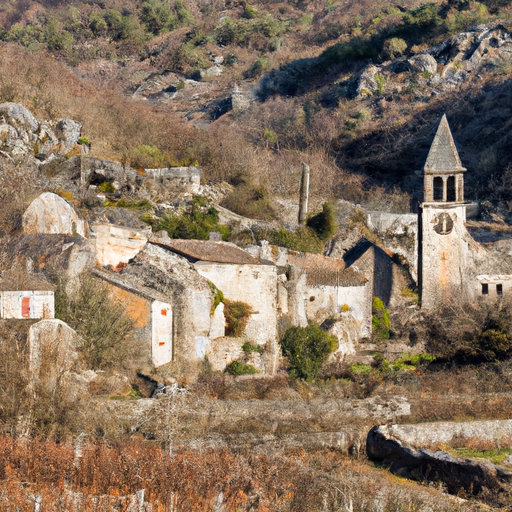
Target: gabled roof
443 156
205 250
326 271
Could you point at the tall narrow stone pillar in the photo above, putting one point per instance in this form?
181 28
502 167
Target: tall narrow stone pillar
304 194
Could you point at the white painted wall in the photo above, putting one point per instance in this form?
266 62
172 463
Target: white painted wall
41 304
161 335
328 300
254 284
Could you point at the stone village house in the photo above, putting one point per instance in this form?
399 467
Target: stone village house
169 287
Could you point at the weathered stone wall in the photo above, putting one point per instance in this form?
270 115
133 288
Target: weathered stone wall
323 302
27 304
116 244
492 282
445 255
451 433
399 232
254 284
138 310
161 182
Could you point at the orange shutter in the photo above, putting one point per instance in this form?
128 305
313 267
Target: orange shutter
25 307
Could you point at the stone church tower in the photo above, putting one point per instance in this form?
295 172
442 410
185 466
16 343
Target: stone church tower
443 239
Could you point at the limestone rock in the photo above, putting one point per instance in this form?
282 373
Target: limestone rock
53 255
367 83
68 132
51 214
52 351
423 63
347 330
20 114
212 72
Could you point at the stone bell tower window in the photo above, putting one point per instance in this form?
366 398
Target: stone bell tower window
438 189
450 189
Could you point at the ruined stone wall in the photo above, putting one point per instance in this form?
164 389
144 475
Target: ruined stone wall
359 301
126 180
387 278
27 304
327 301
399 232
117 244
498 286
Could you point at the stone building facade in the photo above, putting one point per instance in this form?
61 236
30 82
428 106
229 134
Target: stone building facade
452 266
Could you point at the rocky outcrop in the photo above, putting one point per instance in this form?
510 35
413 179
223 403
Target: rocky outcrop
423 63
367 83
50 214
19 115
52 255
22 135
68 132
455 473
440 67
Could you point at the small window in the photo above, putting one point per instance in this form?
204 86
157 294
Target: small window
485 289
499 289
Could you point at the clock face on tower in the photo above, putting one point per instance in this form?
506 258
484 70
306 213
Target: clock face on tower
443 224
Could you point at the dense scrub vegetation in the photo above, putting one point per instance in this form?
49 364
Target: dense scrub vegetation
306 349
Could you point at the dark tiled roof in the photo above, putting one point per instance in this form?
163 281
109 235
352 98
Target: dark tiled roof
443 155
205 250
325 271
19 281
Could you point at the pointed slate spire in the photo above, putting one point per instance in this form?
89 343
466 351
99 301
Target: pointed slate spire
443 156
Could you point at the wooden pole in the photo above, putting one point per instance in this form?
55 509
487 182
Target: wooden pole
304 194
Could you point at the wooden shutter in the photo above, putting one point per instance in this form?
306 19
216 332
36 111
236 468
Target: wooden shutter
25 307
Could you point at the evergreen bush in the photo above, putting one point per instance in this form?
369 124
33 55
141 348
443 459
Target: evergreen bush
307 348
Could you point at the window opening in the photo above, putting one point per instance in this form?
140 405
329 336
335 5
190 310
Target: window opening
485 289
499 289
438 189
450 189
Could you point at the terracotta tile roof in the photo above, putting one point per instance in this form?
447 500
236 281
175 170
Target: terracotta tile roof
205 250
325 271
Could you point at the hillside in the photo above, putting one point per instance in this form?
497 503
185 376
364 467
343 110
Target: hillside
298 68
